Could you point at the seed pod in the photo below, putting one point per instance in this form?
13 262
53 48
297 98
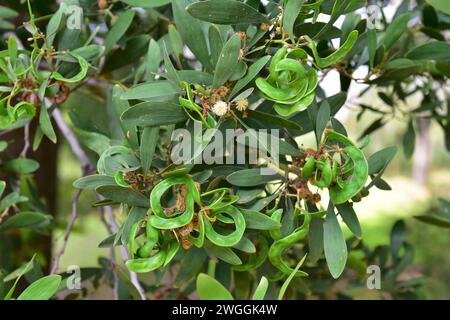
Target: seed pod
308 168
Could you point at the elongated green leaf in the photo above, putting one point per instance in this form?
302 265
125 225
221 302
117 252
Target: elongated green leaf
119 107
315 239
250 178
119 28
154 59
93 181
149 141
228 61
441 5
54 24
334 244
252 72
159 90
223 253
209 288
21 165
147 3
124 195
24 219
323 116
258 220
371 46
380 159
215 43
2 187
350 218
192 32
260 291
225 12
136 214
409 140
434 220
434 50
46 124
42 289
150 114
289 279
291 12
395 30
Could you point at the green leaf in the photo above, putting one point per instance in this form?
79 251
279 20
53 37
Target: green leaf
269 121
118 30
259 221
291 12
93 181
289 279
176 43
350 218
434 50
380 159
23 270
228 61
124 195
252 72
153 60
7 13
149 140
12 50
46 124
136 214
156 91
192 32
334 244
25 219
21 165
54 24
315 239
323 116
225 12
191 265
434 220
42 289
119 107
215 43
250 178
223 253
261 289
147 3
150 114
2 187
409 140
371 46
395 30
440 5
209 288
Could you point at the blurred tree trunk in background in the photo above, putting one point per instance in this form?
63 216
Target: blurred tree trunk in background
422 152
45 178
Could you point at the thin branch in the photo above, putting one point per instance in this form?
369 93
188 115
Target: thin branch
86 167
26 140
68 230
112 225
71 139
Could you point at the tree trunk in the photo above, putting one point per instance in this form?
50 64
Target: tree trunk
422 152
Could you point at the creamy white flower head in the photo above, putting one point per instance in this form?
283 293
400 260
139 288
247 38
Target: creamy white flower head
220 108
242 105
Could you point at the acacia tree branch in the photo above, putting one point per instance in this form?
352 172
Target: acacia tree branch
71 139
26 140
86 167
112 225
